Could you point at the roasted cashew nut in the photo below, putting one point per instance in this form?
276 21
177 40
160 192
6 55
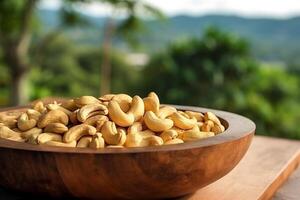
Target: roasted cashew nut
113 135
39 106
33 114
34 131
60 144
118 115
199 116
85 100
183 121
84 142
24 123
211 116
207 126
91 110
46 137
6 132
166 111
53 116
97 141
151 103
54 106
155 123
169 135
58 128
96 120
76 132
69 105
195 135
138 138
218 128
123 100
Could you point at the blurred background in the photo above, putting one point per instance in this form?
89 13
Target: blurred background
239 56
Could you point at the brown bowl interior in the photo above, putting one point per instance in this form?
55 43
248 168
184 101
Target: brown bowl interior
128 173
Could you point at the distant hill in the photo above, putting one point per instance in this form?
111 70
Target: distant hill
271 39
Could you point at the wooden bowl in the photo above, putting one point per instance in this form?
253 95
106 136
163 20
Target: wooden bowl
129 173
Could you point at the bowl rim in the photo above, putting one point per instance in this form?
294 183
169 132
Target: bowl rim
238 127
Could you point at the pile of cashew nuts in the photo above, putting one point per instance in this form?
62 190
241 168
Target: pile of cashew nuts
112 121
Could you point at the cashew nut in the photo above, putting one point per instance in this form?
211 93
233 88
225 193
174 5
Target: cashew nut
53 116
56 128
84 142
169 135
207 126
157 124
137 108
118 115
174 141
199 116
6 132
195 135
58 107
60 144
69 105
112 134
183 121
211 116
45 137
85 100
138 138
100 122
106 97
24 123
95 120
91 110
97 141
152 102
166 111
123 100
33 114
30 132
39 106
32 139
218 128
76 132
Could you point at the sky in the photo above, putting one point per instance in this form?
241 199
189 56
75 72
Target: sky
247 8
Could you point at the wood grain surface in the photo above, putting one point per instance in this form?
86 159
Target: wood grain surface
291 188
265 167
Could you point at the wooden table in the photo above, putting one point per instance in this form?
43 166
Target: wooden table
266 172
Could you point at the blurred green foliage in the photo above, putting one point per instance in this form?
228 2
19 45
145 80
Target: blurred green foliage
218 71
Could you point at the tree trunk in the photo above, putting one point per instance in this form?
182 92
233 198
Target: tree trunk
106 58
19 89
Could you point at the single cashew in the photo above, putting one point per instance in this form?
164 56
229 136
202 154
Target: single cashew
53 116
199 116
174 141
76 132
10 123
169 135
69 105
56 128
97 141
183 121
6 132
138 138
153 141
45 137
211 116
95 120
32 139
84 142
206 127
33 114
16 138
118 115
9 116
24 123
85 100
137 108
100 122
60 144
91 110
218 128
112 134
106 97
123 100
157 124
73 117
166 111
195 135
151 103
39 106
54 106
27 134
